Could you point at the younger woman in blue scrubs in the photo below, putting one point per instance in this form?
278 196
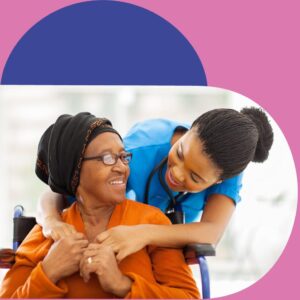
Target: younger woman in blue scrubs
194 171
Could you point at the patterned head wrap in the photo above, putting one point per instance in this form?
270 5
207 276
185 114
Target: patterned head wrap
61 149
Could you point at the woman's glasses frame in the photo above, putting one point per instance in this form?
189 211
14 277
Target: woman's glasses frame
110 159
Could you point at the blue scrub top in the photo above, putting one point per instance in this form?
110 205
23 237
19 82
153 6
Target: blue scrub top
149 142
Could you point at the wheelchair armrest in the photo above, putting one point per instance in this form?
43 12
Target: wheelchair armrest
22 226
193 251
7 258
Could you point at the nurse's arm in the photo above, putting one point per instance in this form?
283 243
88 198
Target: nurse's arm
50 206
217 213
215 218
126 240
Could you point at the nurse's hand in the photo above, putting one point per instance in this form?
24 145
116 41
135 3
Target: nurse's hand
124 240
56 229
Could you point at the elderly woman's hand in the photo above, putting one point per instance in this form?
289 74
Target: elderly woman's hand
101 260
64 257
56 230
125 240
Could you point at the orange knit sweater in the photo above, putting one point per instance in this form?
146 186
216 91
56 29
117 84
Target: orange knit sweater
156 272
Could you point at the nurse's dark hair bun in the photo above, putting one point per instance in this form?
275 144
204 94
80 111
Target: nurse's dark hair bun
232 139
265 132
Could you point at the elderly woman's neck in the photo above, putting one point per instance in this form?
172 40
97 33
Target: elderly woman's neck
93 212
95 215
95 218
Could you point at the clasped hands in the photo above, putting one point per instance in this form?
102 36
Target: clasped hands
73 253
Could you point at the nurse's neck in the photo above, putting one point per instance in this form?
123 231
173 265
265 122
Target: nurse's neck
176 136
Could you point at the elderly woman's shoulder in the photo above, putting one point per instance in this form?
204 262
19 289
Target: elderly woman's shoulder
35 246
144 213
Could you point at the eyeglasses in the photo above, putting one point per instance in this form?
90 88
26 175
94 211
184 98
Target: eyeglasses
111 159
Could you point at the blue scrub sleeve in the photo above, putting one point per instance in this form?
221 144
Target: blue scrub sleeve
229 187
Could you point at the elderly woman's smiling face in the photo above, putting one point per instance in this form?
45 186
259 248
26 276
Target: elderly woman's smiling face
105 184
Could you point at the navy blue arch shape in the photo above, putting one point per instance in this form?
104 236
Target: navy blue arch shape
104 43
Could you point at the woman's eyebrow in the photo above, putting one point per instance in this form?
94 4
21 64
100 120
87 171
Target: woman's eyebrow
181 146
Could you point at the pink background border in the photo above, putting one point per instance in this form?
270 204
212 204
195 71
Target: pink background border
245 46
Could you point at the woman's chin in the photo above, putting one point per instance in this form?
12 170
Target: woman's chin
119 197
119 200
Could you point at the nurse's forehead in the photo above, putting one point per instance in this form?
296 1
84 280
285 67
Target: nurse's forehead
191 139
194 155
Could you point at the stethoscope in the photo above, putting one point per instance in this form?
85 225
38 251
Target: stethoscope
174 210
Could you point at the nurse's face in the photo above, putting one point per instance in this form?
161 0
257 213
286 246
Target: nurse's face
189 167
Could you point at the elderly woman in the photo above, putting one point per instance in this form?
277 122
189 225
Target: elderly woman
84 156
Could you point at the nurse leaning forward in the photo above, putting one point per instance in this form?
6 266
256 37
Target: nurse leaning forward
193 173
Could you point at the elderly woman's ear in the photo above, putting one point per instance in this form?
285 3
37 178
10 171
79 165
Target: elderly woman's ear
79 198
